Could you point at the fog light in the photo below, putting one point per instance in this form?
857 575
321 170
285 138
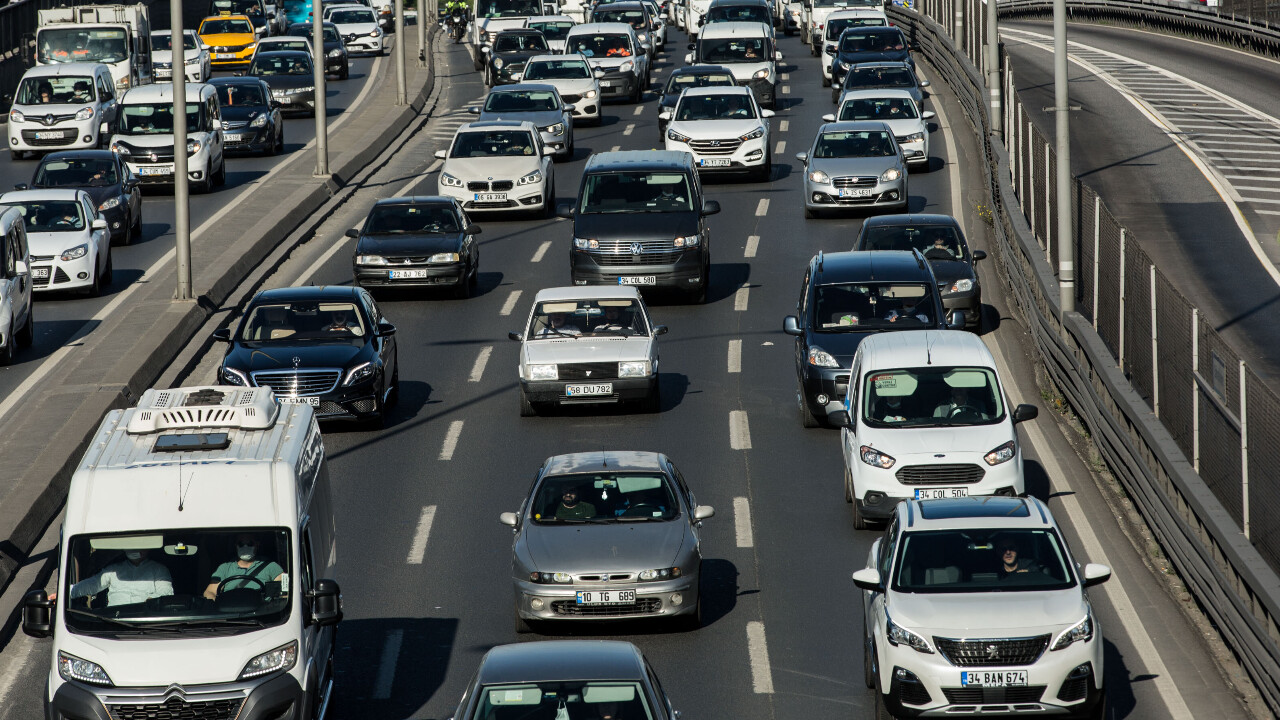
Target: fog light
115 226
87 138
196 175
82 276
1080 672
1007 492
873 498
822 399
905 675
536 603
676 598
893 194
817 197
13 141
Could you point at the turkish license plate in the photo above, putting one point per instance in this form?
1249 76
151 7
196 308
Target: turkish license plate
310 400
855 192
39 273
234 137
606 83
594 389
606 597
994 678
491 197
637 280
51 135
224 56
941 493
714 162
283 99
408 274
155 170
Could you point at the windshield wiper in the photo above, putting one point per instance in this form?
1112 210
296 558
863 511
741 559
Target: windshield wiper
635 518
134 627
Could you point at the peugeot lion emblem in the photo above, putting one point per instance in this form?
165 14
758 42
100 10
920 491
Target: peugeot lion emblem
635 248
993 652
296 362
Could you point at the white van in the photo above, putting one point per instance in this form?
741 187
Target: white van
61 107
747 49
926 417
198 528
144 135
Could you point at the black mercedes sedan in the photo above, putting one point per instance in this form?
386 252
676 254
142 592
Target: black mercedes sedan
328 347
106 178
251 120
291 77
336 61
683 78
510 50
417 242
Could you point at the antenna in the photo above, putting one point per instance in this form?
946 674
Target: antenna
604 458
928 349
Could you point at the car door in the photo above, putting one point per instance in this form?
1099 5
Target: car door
106 98
691 502
129 184
802 317
16 269
100 239
848 435
883 552
215 126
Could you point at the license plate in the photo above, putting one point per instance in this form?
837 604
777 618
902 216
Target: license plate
491 197
855 192
596 389
234 137
283 99
163 73
997 678
941 493
224 56
637 280
407 274
714 162
311 400
606 83
606 597
39 273
53 135
155 170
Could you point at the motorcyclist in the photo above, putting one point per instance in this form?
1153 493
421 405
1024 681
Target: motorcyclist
457 12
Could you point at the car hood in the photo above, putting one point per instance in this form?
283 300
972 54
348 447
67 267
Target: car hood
518 56
165 56
557 46
288 82
506 167
39 111
744 71
242 112
541 118
53 243
611 64
585 350
930 442
712 129
636 226
253 356
396 245
960 615
612 547
905 126
851 58
948 271
229 39
569 87
496 25
836 167
99 193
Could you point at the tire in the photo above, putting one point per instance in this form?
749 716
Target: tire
692 621
807 418
346 71
848 485
205 185
882 710
27 335
393 397
15 155
127 238
700 295
527 409
826 81
765 172
859 520
637 97
8 351
1100 710
868 672
378 421
137 226
810 213
462 290
521 625
95 289
221 178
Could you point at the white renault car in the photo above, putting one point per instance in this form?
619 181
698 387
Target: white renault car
894 108
197 64
68 240
499 166
61 107
975 607
359 27
725 130
574 78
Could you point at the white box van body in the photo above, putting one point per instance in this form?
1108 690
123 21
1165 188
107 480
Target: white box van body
198 527
144 135
118 36
927 418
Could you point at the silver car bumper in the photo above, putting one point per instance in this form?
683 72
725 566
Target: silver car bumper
536 601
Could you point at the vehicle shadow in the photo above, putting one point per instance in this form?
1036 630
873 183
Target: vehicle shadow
485 284
1036 479
51 335
427 643
414 396
1118 680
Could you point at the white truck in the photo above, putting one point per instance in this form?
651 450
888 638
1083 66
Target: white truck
118 36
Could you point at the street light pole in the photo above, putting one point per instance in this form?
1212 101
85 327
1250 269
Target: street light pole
322 111
181 215
993 68
402 92
1066 243
422 33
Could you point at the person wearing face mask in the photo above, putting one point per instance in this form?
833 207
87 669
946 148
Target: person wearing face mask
134 579
248 565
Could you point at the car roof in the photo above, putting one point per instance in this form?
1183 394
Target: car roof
586 293
236 80
877 93
879 64
548 57
733 29
75 68
597 460
919 348
284 53
317 293
84 154
417 200
854 12
227 17
718 90
987 512
870 266
519 31
551 660
639 160
910 219
525 87
623 5
161 92
307 26
722 3
873 29
41 194
549 18
853 126
609 27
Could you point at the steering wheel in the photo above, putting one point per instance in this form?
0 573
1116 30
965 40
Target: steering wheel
964 409
242 578
644 509
937 253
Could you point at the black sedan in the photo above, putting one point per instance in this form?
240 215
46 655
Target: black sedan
510 50
867 44
291 77
250 119
336 61
328 347
683 78
105 177
417 242
942 242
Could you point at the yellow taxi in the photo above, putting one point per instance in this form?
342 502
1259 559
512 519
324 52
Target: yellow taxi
230 38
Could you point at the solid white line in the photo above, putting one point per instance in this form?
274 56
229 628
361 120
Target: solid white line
753 244
418 550
387 668
630 127
784 125
451 440
762 208
639 110
742 522
758 654
782 147
740 298
735 356
510 304
739 430
17 655
477 370
541 251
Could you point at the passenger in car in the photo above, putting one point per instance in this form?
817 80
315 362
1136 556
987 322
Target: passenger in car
134 579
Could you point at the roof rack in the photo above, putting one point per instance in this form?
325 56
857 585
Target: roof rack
205 406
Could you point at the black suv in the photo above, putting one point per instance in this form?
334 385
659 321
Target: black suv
640 219
510 50
846 297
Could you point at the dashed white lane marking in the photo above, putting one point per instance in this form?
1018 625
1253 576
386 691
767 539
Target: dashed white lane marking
740 298
451 440
762 208
786 89
418 550
615 148
758 654
735 356
739 430
387 667
742 522
639 110
629 129
477 370
753 244
784 125
785 76
510 304
541 251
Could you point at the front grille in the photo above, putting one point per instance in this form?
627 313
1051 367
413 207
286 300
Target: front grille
230 48
588 371
993 695
484 186
491 205
621 252
41 258
644 606
666 258
605 577
1073 690
500 185
50 120
176 708
367 405
234 124
850 181
330 408
570 99
67 137
416 260
298 382
940 474
999 652
163 154
715 147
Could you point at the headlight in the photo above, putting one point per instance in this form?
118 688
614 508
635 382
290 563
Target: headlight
260 121
644 37
111 202
444 258
360 372
819 177
589 94
899 635
821 358
375 33
961 285
233 376
449 181
498 63
282 658
659 574
84 113
71 667
336 52
544 372
677 137
531 178
875 458
754 134
761 74
626 66
688 241
553 129
1082 631
78 251
370 260
192 61
15 116
913 137
1002 454
638 368
119 149
193 147
586 243
547 578
890 175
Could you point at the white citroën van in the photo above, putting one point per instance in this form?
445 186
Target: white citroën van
198 528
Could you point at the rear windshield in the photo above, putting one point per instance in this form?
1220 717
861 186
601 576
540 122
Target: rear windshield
631 192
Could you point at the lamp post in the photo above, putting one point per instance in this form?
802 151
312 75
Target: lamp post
402 92
322 112
181 197
1066 243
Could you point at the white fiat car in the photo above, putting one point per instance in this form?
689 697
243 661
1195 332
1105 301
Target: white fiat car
577 82
197 64
724 128
499 166
976 607
68 240
894 108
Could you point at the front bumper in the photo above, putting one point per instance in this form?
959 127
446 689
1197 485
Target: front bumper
970 302
624 390
62 274
161 173
584 109
559 602
829 383
617 85
117 219
685 273
878 491
520 198
248 139
280 696
238 59
917 152
820 196
557 142
303 102
67 135
334 65
365 45
380 275
358 401
749 155
194 73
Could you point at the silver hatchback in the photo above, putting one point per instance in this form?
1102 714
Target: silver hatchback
854 165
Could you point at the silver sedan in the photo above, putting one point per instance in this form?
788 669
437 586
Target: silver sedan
608 535
854 165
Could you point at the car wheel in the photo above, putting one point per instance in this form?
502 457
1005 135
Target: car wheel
136 231
807 418
522 625
379 419
810 213
638 96
693 620
205 185
462 290
346 71
95 288
868 668
765 172
848 485
826 81
882 710
27 335
15 155
835 93
221 178
393 397
7 352
527 409
859 520
127 237
1100 710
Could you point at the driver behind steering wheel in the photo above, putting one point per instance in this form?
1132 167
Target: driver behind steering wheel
248 570
959 403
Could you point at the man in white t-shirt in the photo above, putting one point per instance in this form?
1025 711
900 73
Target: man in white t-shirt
132 580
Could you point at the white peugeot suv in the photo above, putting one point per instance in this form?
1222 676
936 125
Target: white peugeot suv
975 606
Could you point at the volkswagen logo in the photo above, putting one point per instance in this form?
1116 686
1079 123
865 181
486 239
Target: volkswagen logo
636 248
993 652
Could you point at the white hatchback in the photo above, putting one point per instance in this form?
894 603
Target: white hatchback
725 130
359 27
69 242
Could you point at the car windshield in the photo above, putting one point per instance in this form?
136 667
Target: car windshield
715 107
553 30
519 42
291 322
62 45
329 33
51 215
871 40
894 108
677 83
201 580
492 143
637 19
604 497
280 65
280 44
837 26
162 42
630 192
412 220
733 50
937 242
932 396
572 699
154 119
518 101
352 17
55 90
557 70
857 307
508 8
600 45
76 172
879 77
739 13
240 95
873 4
987 560
587 318
224 27
853 144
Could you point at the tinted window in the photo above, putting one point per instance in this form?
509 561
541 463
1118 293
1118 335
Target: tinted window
281 65
871 40
624 192
521 101
715 107
676 83
236 95
519 43
162 42
937 242
879 109
154 119
88 172
943 561
290 322
932 397
52 215
344 17
556 30
837 26
739 13
600 45
604 497
411 219
733 50
882 77
66 89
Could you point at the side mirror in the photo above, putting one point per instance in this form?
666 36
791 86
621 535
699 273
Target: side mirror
829 117
791 325
513 335
21 186
924 83
839 418
1025 412
222 334
868 579
803 158
37 614
569 108
767 113
441 154
702 512
642 50
20 267
238 73
831 50
353 232
564 210
472 230
473 110
385 329
275 105
979 255
956 320
1094 574
326 603
132 183
928 115
517 76
485 49
710 207
691 47
99 224
509 519
664 115
659 329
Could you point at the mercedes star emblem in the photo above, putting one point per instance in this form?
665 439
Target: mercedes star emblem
296 362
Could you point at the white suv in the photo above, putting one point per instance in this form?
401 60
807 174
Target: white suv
976 606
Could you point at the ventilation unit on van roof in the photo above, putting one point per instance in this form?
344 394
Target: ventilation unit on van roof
204 407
